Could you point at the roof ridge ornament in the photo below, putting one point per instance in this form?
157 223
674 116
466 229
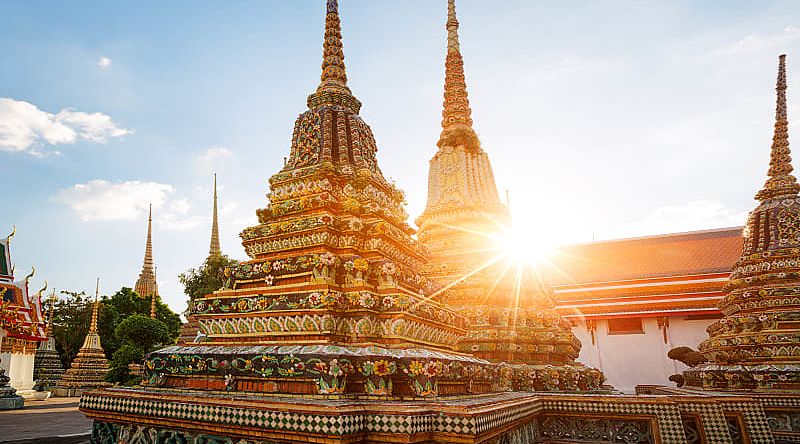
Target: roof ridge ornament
781 181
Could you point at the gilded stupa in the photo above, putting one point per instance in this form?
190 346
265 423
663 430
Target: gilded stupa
511 316
755 344
214 249
89 368
47 366
146 284
334 290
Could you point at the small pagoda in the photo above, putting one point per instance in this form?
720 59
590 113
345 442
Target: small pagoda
511 316
89 368
756 345
47 367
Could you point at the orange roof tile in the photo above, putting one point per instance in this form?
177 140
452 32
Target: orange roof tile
680 254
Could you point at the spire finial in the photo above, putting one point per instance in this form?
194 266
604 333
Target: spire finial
456 102
781 181
334 76
214 250
93 325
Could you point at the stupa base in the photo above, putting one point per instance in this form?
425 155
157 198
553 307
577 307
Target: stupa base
779 408
11 402
126 415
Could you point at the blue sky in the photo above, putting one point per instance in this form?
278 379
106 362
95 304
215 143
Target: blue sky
605 119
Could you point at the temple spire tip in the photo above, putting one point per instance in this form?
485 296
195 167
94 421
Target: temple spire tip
781 182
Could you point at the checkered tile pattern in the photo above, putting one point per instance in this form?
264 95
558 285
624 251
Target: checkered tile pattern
235 416
755 421
712 419
667 416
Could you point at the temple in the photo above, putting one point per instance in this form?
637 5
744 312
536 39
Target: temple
146 285
89 368
47 368
22 328
344 328
642 296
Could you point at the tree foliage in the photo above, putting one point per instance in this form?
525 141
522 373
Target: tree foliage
138 335
72 316
207 278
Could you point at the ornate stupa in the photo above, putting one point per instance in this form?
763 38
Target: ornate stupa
334 290
47 367
510 314
146 284
90 366
756 343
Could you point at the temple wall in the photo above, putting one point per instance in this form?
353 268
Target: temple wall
631 359
18 367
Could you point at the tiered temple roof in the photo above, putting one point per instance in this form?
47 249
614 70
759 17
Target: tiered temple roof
146 284
755 345
89 368
664 275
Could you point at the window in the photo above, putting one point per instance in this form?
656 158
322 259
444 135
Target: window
625 326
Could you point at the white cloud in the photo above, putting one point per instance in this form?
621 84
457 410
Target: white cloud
24 127
697 215
101 200
207 160
104 62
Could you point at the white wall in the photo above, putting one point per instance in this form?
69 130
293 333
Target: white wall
628 360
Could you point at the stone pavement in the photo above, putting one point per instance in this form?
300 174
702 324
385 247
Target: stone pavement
53 421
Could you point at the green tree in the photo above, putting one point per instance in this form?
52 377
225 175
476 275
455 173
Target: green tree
207 278
138 335
72 316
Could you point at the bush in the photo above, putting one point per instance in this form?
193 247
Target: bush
142 331
125 355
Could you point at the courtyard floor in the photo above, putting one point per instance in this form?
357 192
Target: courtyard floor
55 420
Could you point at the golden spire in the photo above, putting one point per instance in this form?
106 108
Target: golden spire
456 102
146 284
781 182
334 76
332 89
95 307
214 250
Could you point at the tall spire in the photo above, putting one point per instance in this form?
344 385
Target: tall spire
781 181
456 102
332 89
334 76
214 250
95 307
146 284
